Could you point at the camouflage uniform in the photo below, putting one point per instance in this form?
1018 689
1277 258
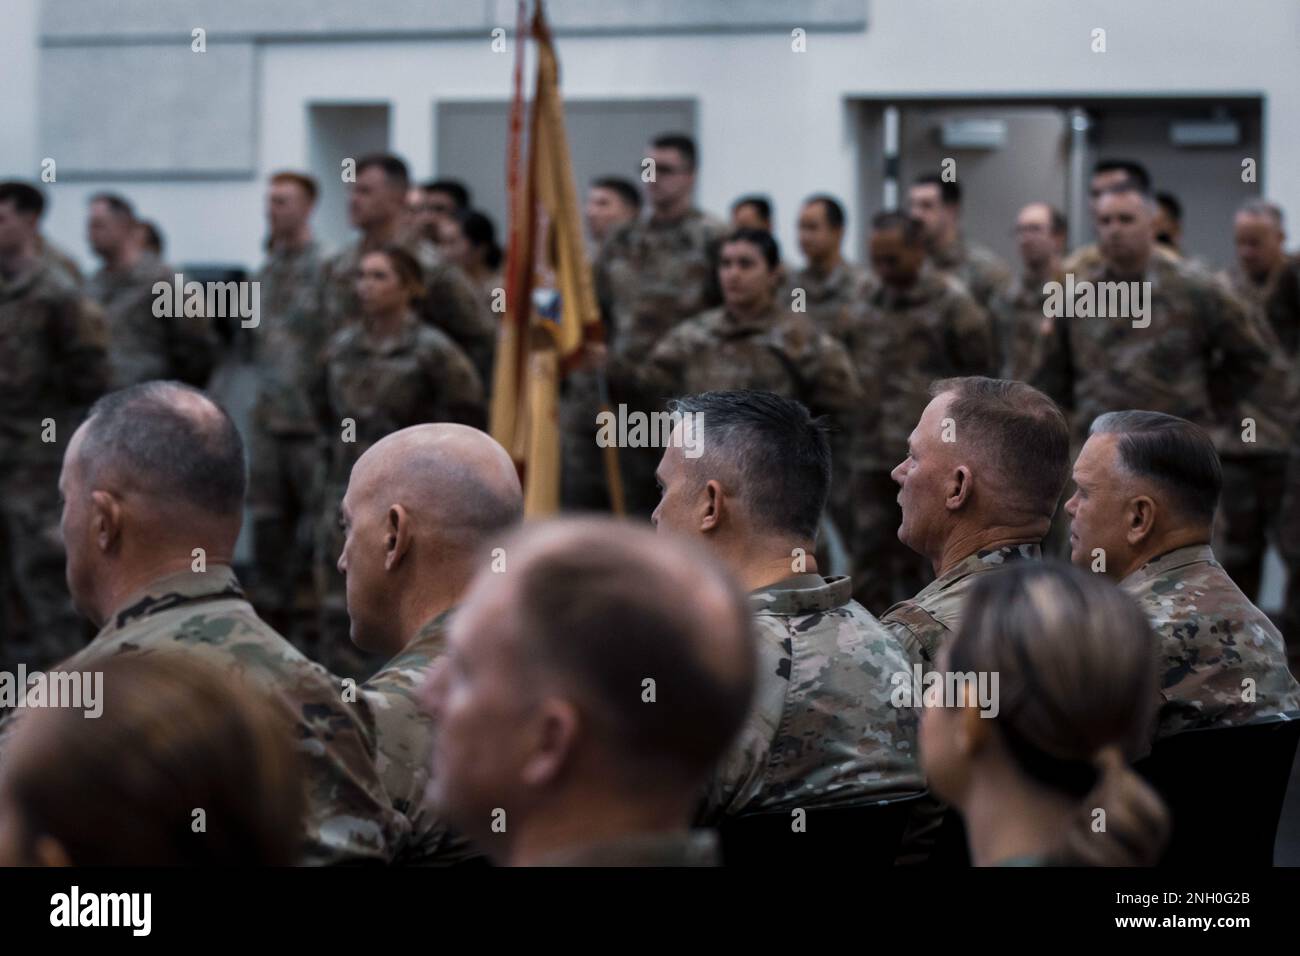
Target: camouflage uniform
284 459
822 730
923 624
404 739
141 346
204 616
979 269
901 342
685 848
651 275
1024 333
53 364
61 261
417 376
1211 640
451 302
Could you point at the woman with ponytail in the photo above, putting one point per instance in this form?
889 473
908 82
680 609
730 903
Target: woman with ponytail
1040 773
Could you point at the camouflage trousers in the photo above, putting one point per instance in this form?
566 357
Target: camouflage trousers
47 628
332 644
885 571
1248 516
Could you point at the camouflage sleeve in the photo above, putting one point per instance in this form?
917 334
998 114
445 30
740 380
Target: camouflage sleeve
335 293
831 383
1052 372
970 337
457 386
916 629
81 340
1251 367
452 304
661 376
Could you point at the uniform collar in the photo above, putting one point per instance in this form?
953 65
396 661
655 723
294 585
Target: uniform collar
1170 561
802 594
175 590
982 561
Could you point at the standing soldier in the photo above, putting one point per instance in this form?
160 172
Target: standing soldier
612 203
1021 325
53 364
377 207
382 371
650 277
285 461
141 345
937 204
915 325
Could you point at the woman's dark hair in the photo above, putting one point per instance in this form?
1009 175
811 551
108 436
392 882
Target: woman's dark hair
405 265
762 240
481 234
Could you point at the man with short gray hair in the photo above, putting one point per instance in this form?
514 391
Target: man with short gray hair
1147 488
153 486
823 730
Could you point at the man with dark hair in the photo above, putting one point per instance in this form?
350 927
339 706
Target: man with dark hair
822 731
1148 484
752 212
150 238
284 454
30 203
434 203
1169 223
983 473
588 689
649 277
53 364
153 486
913 325
936 202
1020 322
1108 174
424 508
142 344
377 207
612 203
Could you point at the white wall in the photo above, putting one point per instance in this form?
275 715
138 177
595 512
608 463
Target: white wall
770 120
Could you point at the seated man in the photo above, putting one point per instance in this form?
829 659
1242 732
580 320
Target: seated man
423 509
984 472
589 686
153 488
823 730
1148 486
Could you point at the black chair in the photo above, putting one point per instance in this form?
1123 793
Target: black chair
1224 787
864 835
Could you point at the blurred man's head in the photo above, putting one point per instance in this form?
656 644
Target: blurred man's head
445 198
21 207
612 203
673 184
936 202
1109 173
149 237
1260 238
290 200
155 471
423 508
378 197
588 689
1169 221
746 471
897 249
752 212
987 461
1126 228
1146 483
110 226
1040 236
821 230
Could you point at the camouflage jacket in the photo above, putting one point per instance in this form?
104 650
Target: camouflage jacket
923 624
781 352
1212 640
53 363
288 341
204 616
60 260
686 848
385 385
900 342
141 345
1278 296
652 275
1025 333
827 298
451 302
1201 349
977 268
404 738
822 730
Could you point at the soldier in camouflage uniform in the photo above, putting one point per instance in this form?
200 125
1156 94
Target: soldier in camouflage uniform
651 275
458 495
383 371
822 730
173 464
142 345
1020 323
53 364
1148 484
284 483
1004 447
449 302
937 204
912 326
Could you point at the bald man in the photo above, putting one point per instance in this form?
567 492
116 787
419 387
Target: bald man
153 486
588 689
423 510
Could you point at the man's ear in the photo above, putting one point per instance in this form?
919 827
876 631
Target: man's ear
714 505
1139 519
397 536
105 519
959 488
553 741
